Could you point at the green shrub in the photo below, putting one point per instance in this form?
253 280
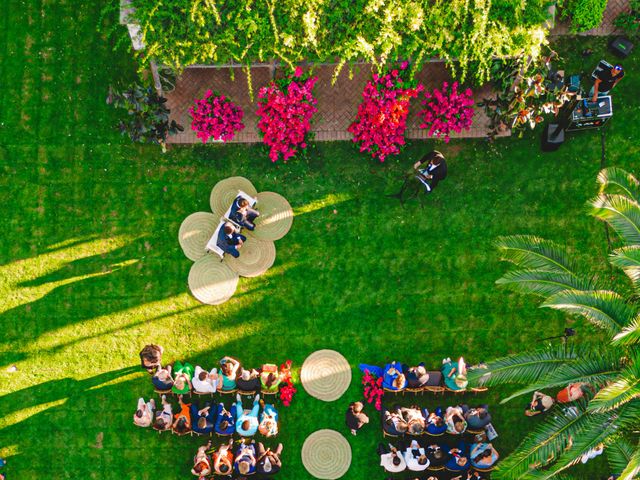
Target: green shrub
584 14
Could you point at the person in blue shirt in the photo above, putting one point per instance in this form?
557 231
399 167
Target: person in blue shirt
203 420
435 423
247 421
393 377
243 214
483 455
245 463
269 421
230 239
225 423
458 458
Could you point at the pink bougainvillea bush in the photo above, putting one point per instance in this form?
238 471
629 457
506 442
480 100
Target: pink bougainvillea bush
382 116
215 116
373 391
285 111
446 110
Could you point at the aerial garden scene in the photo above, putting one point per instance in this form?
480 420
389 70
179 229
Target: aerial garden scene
322 239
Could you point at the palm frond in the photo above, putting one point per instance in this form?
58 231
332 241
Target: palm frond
629 335
603 308
628 259
543 283
621 213
632 470
619 454
527 367
614 178
623 389
597 369
535 253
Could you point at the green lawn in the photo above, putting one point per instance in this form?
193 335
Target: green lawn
91 269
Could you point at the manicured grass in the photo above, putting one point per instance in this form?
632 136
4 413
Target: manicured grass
91 270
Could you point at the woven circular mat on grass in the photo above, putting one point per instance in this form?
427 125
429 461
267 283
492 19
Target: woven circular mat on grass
195 231
326 454
226 191
211 281
256 257
325 375
276 217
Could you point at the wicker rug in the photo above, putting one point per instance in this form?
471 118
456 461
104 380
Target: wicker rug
276 217
195 232
226 191
211 281
325 375
256 257
326 454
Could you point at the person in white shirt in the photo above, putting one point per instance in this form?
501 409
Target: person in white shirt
144 414
415 457
205 382
164 417
390 459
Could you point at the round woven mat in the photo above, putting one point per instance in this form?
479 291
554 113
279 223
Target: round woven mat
276 217
226 191
325 375
256 257
326 454
195 231
211 281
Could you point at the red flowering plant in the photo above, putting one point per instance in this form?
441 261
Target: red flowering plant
285 109
373 391
447 109
382 116
287 390
215 116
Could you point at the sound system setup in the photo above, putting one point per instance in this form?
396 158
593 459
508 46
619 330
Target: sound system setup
587 114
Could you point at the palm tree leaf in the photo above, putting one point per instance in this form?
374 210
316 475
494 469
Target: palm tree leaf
632 470
621 213
595 370
628 259
535 253
619 454
603 308
543 283
619 179
629 335
623 389
525 367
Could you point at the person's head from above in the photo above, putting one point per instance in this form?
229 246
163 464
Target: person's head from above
402 427
458 427
243 203
396 459
267 465
162 373
438 454
246 425
246 375
482 413
182 424
357 407
616 69
202 422
224 425
422 460
461 461
228 229
432 478
271 379
421 371
160 424
139 413
200 467
416 428
227 369
202 376
244 467
436 157
399 381
223 467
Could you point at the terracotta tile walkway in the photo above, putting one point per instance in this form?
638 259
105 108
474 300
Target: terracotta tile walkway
337 104
607 27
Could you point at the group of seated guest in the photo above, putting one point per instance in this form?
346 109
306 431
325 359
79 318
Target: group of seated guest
210 418
246 460
182 378
229 238
416 421
398 376
416 456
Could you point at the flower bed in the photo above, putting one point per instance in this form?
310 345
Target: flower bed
214 116
447 110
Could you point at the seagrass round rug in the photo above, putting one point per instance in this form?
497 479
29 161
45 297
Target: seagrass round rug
325 375
326 454
211 281
276 217
256 257
195 231
226 191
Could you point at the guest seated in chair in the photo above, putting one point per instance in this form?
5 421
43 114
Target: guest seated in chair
144 413
243 214
203 420
225 420
248 381
393 378
245 463
417 377
477 418
435 422
393 423
454 418
269 379
164 417
247 421
571 393
416 422
483 455
229 369
182 419
202 462
162 379
268 462
268 421
415 457
458 459
455 375
539 404
223 459
230 240
205 382
391 459
182 375
436 454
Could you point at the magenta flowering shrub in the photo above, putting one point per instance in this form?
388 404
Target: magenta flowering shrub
214 116
285 111
382 116
447 110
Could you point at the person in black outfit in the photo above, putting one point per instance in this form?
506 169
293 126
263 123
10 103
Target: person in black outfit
243 214
605 81
425 175
230 240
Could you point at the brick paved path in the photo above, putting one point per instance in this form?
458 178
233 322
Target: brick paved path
337 104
